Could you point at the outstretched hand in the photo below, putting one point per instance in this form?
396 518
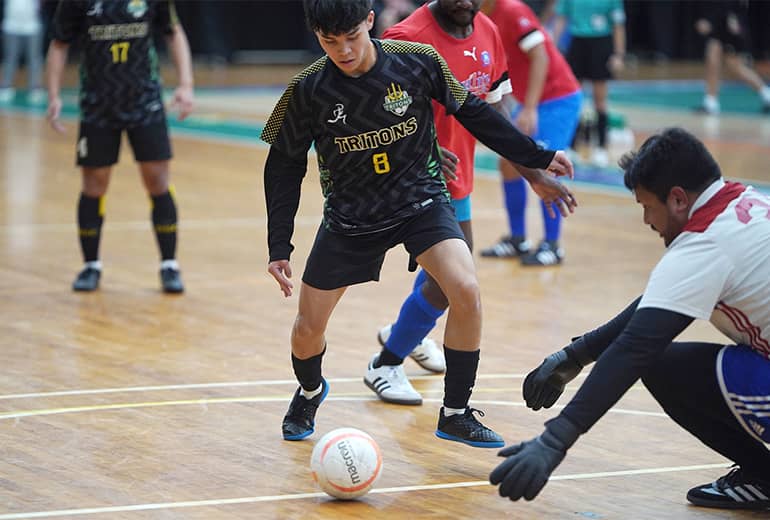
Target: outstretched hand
281 271
527 467
554 193
544 385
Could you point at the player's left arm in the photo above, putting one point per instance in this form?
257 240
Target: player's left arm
179 47
528 465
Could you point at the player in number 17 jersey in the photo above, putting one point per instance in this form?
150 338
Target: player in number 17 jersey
120 91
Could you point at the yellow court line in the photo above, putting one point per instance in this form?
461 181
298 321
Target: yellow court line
253 399
303 496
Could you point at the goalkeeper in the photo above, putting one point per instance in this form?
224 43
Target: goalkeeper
716 267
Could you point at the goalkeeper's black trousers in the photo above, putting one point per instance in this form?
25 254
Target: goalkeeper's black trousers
684 381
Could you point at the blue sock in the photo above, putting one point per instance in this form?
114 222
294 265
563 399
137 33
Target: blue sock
552 224
516 203
416 319
420 279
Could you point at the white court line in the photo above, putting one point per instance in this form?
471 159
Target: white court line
303 496
194 386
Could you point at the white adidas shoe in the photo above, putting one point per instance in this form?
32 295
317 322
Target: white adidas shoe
390 384
427 354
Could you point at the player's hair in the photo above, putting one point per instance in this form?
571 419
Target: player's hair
674 157
335 17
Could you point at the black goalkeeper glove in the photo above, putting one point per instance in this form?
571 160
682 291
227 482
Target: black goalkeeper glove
528 465
544 385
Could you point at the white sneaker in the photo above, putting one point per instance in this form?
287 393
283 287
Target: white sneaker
390 384
427 354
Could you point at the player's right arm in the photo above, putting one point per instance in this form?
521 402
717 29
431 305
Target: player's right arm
283 180
67 24
543 385
289 135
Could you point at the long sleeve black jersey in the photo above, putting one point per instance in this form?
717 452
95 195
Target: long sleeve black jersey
375 140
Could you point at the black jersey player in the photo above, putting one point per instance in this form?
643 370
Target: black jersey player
121 91
367 106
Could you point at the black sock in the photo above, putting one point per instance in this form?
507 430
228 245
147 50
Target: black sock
164 221
387 358
601 127
308 371
90 219
460 376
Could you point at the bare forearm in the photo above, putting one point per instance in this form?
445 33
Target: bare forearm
56 60
179 48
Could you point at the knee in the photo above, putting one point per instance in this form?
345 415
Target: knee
434 295
305 329
466 297
94 186
156 177
659 381
157 185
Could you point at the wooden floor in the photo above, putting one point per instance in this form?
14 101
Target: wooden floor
131 404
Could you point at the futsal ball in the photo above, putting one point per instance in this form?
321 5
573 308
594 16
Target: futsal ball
346 462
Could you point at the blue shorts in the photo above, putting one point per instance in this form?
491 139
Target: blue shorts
462 208
557 120
744 378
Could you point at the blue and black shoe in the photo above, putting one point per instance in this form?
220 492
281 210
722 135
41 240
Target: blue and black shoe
299 421
467 429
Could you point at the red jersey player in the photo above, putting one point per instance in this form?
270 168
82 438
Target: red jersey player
549 110
470 44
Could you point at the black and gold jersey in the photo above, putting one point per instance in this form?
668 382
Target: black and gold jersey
120 81
375 140
373 134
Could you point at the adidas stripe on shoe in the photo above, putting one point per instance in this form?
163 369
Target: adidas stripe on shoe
732 491
507 247
547 253
390 383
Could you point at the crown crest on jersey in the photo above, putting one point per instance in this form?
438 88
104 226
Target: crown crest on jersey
137 8
397 100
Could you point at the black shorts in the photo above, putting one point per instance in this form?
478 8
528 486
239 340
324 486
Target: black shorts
588 57
338 260
100 146
735 43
